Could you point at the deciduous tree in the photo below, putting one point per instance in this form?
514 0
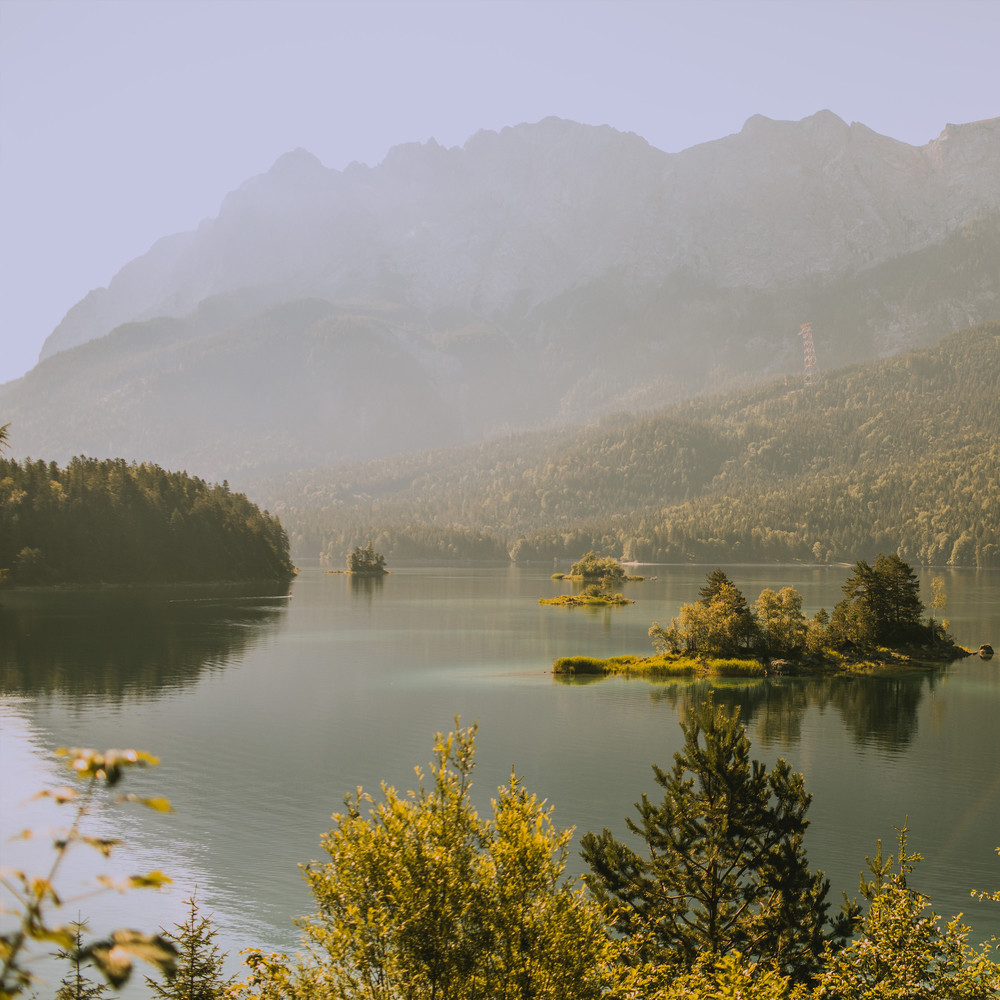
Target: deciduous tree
902 952
36 896
720 624
422 898
781 626
595 567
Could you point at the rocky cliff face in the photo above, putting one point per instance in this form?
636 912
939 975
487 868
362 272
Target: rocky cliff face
548 272
514 219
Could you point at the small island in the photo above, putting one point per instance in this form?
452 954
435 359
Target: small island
878 625
600 574
594 568
592 596
365 561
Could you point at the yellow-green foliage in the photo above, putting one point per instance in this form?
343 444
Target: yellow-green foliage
665 665
901 951
585 600
422 897
579 665
36 898
737 668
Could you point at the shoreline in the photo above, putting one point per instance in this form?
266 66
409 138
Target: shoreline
682 665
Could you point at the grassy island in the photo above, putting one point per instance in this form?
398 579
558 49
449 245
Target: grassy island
592 597
682 665
877 626
577 578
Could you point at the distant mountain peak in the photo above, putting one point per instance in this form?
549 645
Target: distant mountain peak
825 122
298 161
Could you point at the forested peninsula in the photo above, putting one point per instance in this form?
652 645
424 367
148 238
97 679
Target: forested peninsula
900 455
115 522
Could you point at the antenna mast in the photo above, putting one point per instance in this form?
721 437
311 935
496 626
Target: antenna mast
810 370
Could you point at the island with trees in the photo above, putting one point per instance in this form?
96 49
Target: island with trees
365 561
115 522
592 596
601 575
595 568
878 624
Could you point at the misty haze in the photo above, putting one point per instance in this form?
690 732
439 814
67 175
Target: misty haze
583 455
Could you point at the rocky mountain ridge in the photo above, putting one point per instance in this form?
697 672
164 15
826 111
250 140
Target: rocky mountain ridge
545 273
514 219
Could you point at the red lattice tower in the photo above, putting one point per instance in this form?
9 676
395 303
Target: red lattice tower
810 370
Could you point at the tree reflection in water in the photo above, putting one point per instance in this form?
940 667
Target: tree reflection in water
878 710
119 642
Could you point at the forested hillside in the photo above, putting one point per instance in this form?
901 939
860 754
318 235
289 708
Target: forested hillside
115 522
897 455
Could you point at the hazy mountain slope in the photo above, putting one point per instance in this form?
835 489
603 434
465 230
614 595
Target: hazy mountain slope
296 384
901 454
546 274
515 219
238 389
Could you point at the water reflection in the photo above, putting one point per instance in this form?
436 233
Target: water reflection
879 711
121 642
365 586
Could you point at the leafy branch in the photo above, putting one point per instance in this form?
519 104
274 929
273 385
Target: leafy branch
36 895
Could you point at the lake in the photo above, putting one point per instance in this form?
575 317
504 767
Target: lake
267 707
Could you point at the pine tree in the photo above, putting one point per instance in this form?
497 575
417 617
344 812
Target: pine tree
881 602
726 870
714 583
75 985
199 974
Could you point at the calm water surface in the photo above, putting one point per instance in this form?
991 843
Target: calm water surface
267 708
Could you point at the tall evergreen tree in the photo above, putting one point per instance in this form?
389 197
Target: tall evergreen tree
726 870
714 583
75 985
881 602
199 971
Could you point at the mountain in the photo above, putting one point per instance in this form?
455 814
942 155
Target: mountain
544 274
896 455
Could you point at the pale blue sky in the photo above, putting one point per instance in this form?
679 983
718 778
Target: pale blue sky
122 121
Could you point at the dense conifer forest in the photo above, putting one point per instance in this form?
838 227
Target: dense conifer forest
115 522
900 455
